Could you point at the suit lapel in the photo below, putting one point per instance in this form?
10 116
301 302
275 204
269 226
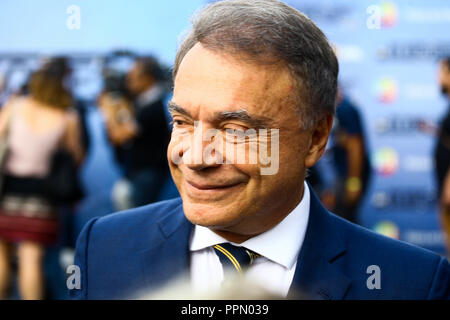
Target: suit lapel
317 274
169 255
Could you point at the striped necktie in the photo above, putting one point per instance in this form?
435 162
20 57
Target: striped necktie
238 258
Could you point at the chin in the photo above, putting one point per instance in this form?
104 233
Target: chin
208 215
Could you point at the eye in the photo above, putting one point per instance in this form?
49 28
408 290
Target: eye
178 122
236 132
239 134
235 129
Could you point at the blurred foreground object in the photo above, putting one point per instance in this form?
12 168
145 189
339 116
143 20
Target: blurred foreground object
236 288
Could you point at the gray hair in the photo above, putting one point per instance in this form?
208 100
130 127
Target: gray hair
269 31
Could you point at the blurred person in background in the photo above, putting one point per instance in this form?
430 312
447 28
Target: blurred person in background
2 88
442 152
37 126
60 67
350 159
139 132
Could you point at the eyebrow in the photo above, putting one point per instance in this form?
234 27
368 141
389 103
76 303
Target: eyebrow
174 108
256 122
244 116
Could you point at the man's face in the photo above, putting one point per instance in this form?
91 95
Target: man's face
137 81
236 197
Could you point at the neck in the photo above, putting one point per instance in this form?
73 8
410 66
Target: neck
232 236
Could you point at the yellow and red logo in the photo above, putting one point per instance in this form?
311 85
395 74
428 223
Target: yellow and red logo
388 229
386 161
389 14
387 90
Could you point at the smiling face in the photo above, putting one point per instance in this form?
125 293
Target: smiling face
223 92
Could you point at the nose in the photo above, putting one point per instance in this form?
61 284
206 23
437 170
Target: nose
203 149
203 155
202 165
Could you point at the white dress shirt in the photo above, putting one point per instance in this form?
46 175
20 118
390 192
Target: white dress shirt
279 247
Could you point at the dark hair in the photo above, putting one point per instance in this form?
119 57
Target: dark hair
446 62
47 88
58 66
150 67
269 31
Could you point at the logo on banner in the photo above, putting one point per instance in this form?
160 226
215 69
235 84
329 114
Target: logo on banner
388 229
386 161
387 90
414 49
402 125
388 15
381 16
404 199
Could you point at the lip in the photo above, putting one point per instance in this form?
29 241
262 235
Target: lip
206 187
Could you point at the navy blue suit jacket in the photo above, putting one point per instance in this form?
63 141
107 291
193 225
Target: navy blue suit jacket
120 255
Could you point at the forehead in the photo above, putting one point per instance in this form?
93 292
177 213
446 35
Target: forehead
209 82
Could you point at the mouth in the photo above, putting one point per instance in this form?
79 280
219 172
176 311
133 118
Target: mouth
211 192
211 187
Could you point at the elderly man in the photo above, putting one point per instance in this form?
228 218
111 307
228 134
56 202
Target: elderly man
253 103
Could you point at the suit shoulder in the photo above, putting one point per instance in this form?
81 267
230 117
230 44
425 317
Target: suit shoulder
405 271
404 264
361 238
149 213
136 220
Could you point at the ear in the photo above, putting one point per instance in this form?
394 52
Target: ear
319 138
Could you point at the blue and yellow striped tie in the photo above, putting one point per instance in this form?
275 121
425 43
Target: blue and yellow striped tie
239 258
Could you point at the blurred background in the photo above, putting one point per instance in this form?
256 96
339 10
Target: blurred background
114 58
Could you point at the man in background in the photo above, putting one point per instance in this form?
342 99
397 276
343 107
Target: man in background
350 159
342 177
139 133
442 152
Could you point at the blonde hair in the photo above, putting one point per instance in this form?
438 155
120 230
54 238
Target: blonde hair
49 89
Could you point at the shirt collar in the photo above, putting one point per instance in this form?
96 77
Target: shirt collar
280 244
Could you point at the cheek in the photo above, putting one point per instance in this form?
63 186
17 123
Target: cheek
292 160
292 154
175 149
173 156
170 149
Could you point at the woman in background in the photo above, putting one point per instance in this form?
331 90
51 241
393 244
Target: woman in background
37 126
